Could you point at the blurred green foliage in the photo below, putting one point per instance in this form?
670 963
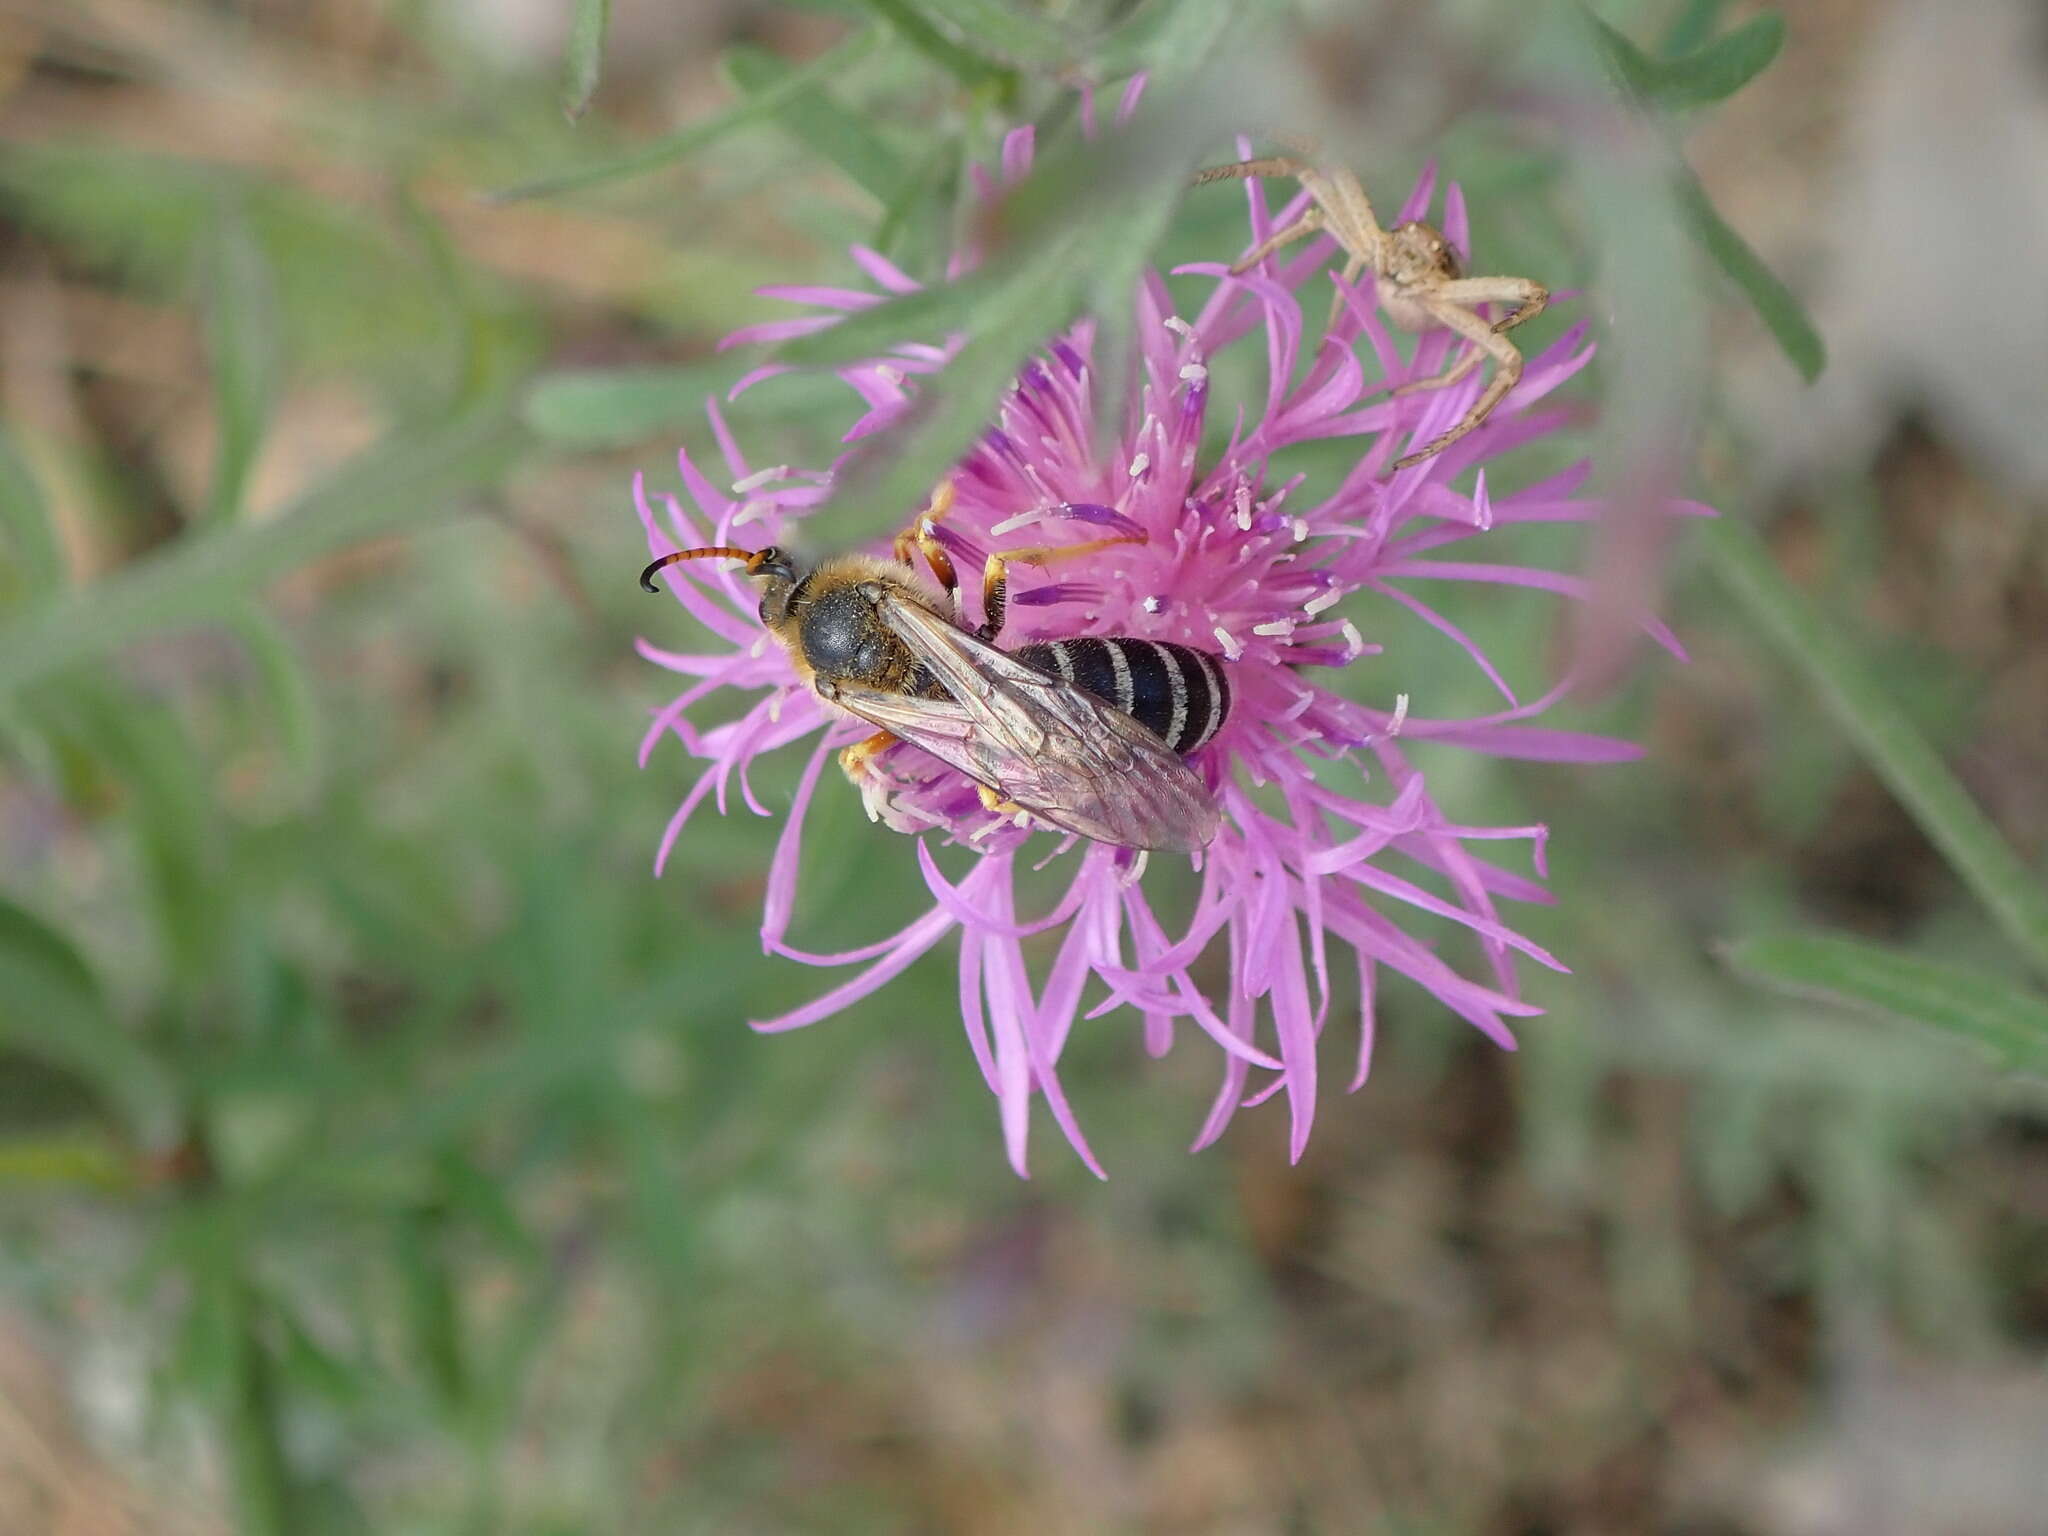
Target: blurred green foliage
420 1129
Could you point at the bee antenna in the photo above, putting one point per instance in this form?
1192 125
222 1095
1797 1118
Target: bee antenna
715 552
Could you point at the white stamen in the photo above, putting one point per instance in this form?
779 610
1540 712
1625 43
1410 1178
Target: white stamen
1400 714
1322 600
1233 647
1021 819
1193 373
759 647
1137 870
1012 524
1274 627
873 798
1179 327
1151 605
984 829
1140 464
758 478
1300 530
750 511
775 708
1244 508
1299 707
1354 642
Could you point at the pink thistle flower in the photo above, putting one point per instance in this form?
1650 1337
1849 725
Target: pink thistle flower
1317 851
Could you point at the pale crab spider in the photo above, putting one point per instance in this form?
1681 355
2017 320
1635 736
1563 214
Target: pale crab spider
1417 275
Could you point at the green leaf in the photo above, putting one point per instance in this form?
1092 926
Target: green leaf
1693 26
289 692
2012 1022
242 346
585 56
819 123
68 1160
2014 894
1781 312
670 148
916 227
907 19
52 1008
601 407
1007 30
25 520
402 484
1698 78
1015 319
1722 67
931 314
1170 40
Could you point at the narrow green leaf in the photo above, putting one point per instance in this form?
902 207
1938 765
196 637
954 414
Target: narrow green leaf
1697 78
600 407
928 315
2012 1022
1008 30
585 56
819 123
25 520
1648 85
1171 39
1017 319
433 1312
2015 895
289 693
908 20
670 148
1723 67
916 227
1781 312
168 809
68 1160
1692 26
242 333
407 482
52 1008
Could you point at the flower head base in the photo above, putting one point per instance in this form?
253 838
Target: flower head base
1233 557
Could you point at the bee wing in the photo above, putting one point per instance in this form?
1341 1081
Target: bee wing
1057 750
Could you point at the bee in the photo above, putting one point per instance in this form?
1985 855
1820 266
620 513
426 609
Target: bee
1089 735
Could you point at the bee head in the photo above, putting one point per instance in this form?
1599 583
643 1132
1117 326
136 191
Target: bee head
776 572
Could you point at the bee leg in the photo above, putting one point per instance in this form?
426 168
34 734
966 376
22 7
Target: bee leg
854 760
995 575
993 800
919 538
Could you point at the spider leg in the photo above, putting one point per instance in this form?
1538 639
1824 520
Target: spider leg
1464 365
1245 170
1300 229
1507 372
1528 298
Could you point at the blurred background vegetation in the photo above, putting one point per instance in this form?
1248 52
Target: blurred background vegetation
383 1149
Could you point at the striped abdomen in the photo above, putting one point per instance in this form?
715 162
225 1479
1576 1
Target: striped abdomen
1179 693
